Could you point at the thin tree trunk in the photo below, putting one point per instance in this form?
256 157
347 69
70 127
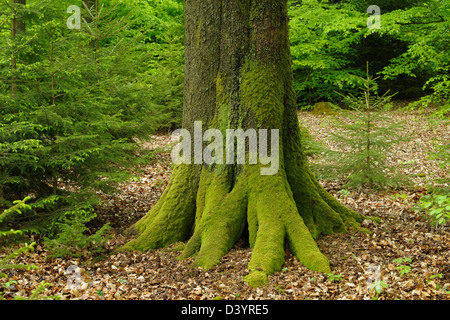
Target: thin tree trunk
52 73
2 196
91 7
17 27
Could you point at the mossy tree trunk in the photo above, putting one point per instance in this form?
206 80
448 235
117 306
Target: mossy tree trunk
238 75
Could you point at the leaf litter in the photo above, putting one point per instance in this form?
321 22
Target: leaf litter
401 256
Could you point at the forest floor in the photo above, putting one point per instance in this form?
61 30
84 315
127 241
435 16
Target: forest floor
361 262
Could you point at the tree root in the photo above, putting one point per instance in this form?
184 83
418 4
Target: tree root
171 219
212 211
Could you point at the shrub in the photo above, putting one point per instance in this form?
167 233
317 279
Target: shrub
436 205
436 208
17 208
73 241
365 136
82 100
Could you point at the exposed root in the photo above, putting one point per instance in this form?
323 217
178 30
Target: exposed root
220 224
171 219
212 213
277 219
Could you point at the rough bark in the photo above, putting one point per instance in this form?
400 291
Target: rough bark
238 75
91 5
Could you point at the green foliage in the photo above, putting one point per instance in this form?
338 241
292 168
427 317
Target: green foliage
334 277
77 101
17 208
166 67
436 207
5 261
36 293
72 241
5 265
330 40
365 137
403 268
378 286
424 27
323 45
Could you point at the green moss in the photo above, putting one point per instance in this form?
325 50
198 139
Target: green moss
303 245
374 219
221 226
171 220
324 108
192 246
245 7
205 181
220 223
268 251
262 92
271 212
278 219
311 201
177 247
256 279
322 213
364 230
350 217
198 32
252 221
220 88
209 205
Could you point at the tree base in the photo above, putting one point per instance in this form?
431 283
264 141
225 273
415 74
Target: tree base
211 210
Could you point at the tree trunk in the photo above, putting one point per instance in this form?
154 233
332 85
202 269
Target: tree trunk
91 8
17 27
238 74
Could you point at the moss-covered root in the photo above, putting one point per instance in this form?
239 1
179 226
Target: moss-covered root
273 217
350 217
172 218
221 220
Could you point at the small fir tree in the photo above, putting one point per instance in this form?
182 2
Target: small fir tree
365 135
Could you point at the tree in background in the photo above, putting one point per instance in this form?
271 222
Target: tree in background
331 42
425 29
324 41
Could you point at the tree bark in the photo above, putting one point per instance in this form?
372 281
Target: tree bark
17 27
238 74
